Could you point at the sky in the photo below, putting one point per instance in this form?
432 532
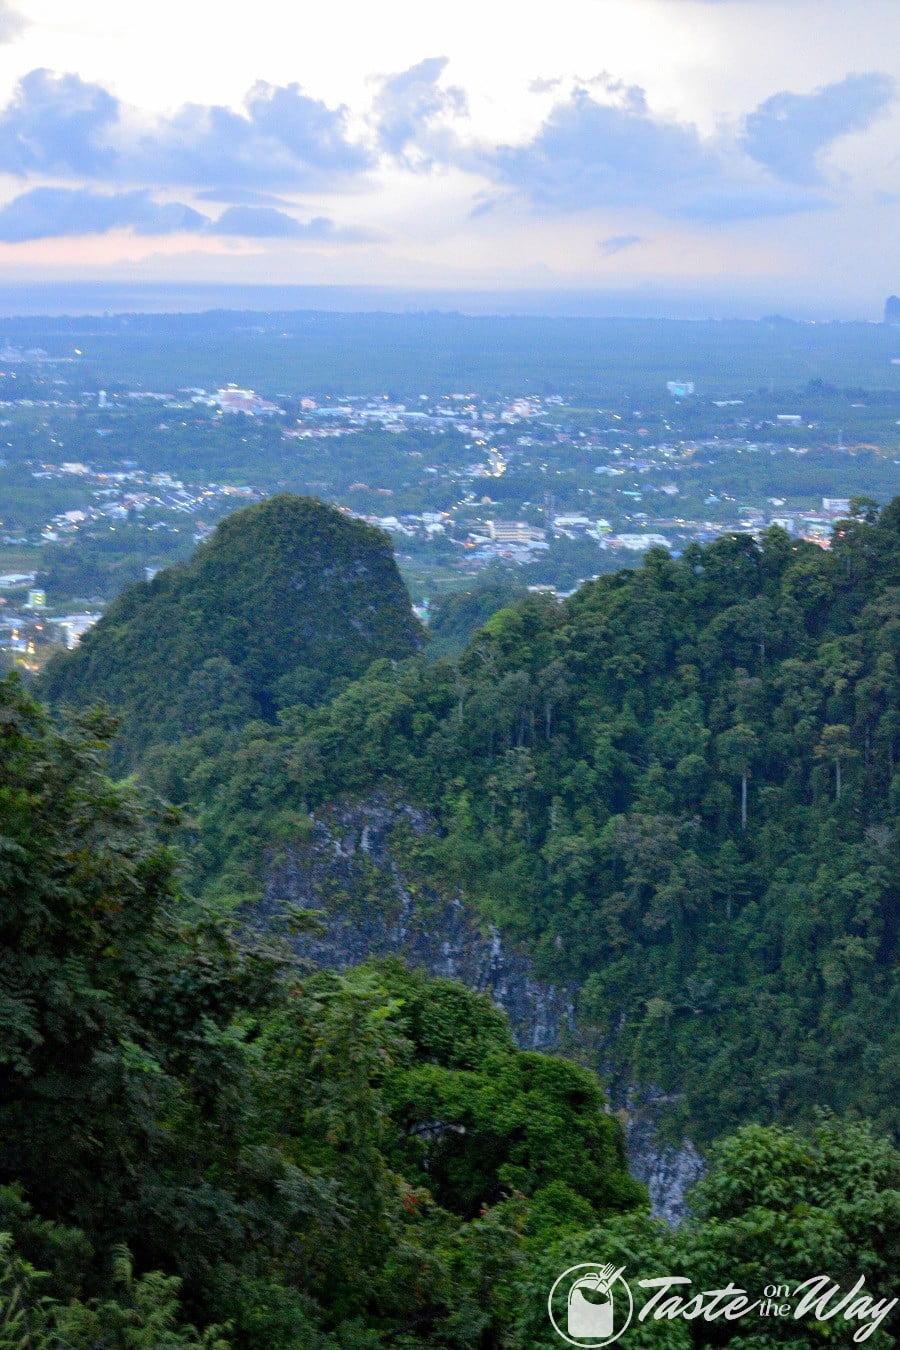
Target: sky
743 151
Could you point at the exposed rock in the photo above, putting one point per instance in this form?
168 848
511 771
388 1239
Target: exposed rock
668 1170
346 868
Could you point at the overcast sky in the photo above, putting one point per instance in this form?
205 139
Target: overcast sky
737 147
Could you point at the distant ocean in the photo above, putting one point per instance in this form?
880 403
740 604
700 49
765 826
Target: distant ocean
25 298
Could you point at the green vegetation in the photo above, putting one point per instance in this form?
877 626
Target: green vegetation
196 1134
607 441
287 598
105 559
311 1160
408 354
777 1208
678 790
204 1148
457 616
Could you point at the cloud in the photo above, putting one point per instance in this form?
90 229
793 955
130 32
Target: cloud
263 222
617 243
282 138
53 212
589 154
600 146
47 212
787 131
408 104
238 196
540 85
11 23
58 124
608 149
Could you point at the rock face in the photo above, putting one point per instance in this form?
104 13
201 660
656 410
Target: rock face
667 1170
347 869
348 855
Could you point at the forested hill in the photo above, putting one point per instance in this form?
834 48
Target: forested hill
285 598
678 790
203 1147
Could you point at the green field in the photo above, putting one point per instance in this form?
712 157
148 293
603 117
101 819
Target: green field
408 354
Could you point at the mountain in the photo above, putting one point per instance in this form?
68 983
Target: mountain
286 598
368 1156
204 1146
676 792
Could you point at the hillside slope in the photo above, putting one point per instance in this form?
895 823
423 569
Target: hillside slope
285 598
678 791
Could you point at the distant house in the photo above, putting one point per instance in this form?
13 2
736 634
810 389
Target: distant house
637 543
514 532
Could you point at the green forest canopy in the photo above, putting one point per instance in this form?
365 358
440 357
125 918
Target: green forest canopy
202 1146
287 597
678 789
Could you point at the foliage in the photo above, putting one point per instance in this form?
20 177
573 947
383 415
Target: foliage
192 1132
678 789
286 598
102 561
779 1207
456 617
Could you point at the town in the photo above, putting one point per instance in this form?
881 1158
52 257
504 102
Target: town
102 487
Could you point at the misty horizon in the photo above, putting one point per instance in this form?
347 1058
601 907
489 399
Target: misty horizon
23 299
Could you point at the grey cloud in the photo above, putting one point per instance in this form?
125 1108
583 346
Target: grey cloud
46 212
58 124
617 243
311 131
592 154
787 131
238 196
282 139
53 212
263 222
408 102
540 85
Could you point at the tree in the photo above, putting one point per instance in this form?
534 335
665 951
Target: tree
737 749
864 508
779 1206
283 592
191 1131
834 746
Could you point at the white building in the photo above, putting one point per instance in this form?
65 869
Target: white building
638 543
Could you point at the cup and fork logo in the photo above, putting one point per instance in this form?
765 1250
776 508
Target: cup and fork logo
598 1305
